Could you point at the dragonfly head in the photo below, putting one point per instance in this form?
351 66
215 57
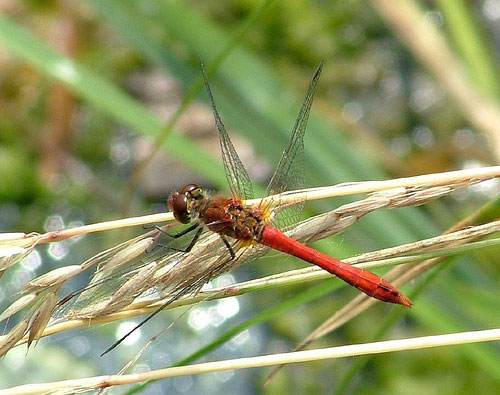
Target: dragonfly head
185 201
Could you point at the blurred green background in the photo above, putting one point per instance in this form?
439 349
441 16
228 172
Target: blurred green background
86 88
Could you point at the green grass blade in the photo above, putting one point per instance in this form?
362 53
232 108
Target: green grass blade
103 95
471 43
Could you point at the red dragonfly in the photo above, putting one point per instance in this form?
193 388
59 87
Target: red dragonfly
238 226
231 218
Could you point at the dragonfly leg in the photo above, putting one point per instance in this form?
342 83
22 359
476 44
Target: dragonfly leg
195 238
181 233
191 243
155 243
161 231
229 248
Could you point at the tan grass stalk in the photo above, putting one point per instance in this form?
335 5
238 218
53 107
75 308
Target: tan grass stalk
344 189
416 343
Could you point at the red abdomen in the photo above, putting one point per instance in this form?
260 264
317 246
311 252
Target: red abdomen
365 281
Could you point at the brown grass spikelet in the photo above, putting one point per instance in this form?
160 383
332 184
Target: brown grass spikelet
122 297
42 316
8 341
52 278
14 247
18 305
127 254
10 255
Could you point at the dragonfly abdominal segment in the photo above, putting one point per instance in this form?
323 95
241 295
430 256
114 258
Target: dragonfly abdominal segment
365 281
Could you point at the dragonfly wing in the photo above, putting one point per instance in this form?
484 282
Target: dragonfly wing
119 279
193 271
237 177
164 273
290 173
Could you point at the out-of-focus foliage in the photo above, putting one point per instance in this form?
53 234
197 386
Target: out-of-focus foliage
86 86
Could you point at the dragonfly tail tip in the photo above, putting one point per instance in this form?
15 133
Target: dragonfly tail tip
405 301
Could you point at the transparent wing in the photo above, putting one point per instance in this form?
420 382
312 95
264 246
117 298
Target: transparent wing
168 273
164 274
290 174
237 177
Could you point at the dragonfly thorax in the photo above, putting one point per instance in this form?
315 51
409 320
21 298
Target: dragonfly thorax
230 217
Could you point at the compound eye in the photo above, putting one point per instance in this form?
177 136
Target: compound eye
197 193
193 191
180 201
179 204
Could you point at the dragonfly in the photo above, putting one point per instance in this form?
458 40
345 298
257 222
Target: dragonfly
230 218
225 231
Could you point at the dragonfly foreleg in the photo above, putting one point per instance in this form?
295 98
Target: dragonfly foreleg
195 238
229 248
182 232
161 231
